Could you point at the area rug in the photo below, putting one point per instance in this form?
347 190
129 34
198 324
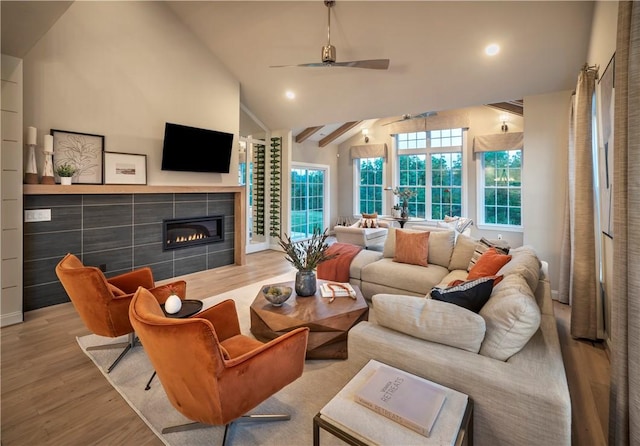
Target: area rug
302 399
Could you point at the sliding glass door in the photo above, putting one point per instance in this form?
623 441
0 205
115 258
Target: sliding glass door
309 207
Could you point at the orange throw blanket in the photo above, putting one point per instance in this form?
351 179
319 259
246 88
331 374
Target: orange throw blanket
337 269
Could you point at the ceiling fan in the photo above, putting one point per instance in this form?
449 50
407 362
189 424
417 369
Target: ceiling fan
408 117
329 53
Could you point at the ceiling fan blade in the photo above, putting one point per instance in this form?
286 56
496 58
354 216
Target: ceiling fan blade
371 64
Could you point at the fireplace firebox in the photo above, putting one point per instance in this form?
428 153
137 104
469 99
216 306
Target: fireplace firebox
184 232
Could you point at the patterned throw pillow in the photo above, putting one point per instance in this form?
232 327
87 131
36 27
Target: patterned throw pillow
412 247
481 247
472 294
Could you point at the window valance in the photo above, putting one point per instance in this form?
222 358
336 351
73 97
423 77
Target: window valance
369 151
498 142
440 121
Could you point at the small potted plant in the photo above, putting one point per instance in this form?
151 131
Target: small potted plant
305 256
65 172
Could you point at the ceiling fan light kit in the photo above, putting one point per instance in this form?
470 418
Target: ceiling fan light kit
328 55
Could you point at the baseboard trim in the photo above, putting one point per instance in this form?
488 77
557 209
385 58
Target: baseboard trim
11 319
554 295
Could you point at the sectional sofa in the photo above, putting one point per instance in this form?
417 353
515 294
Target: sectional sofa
507 357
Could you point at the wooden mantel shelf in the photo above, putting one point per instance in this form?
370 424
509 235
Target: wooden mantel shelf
87 189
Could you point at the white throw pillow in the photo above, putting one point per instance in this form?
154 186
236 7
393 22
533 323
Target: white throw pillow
512 317
430 320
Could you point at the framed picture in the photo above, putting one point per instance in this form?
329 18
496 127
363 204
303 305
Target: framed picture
81 151
125 168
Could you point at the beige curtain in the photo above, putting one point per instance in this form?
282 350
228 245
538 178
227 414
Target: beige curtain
498 142
369 151
579 279
624 407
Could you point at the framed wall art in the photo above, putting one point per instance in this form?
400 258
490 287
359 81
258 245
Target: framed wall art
125 168
83 151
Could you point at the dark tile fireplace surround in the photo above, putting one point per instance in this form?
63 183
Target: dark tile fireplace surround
118 232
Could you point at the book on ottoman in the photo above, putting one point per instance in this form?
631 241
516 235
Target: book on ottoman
407 399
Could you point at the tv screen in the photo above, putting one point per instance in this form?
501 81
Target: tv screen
190 149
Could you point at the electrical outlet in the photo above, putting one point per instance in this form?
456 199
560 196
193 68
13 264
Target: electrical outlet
33 215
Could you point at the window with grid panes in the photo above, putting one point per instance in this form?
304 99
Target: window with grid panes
370 190
307 202
501 191
438 183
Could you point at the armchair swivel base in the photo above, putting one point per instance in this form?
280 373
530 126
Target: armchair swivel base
132 341
243 418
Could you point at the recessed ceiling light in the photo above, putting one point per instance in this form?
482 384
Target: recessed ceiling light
290 94
492 50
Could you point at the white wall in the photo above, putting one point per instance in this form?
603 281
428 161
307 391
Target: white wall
544 178
122 69
11 192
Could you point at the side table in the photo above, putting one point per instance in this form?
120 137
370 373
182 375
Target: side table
189 308
357 425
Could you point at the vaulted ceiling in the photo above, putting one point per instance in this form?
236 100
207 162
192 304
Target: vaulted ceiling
436 52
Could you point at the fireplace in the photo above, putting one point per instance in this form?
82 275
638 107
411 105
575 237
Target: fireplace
184 232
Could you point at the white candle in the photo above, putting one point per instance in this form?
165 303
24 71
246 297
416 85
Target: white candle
32 135
48 143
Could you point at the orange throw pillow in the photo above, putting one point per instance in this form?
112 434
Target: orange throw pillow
488 264
412 247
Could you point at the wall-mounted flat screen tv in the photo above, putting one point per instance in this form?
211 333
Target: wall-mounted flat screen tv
191 149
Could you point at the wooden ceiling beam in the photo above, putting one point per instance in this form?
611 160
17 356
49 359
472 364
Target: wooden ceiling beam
337 133
303 135
515 107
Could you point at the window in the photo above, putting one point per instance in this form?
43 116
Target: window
446 185
307 201
501 192
370 185
443 173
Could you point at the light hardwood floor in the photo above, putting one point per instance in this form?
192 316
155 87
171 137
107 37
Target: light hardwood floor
52 394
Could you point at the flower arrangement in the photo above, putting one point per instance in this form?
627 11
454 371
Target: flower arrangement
306 255
404 194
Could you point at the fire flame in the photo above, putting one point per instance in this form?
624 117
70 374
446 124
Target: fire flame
192 237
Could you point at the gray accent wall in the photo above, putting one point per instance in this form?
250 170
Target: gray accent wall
122 232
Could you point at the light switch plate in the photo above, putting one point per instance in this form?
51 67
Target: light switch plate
33 215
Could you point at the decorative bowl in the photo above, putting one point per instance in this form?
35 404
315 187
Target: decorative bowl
277 295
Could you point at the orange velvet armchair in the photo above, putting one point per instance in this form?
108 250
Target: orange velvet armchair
211 373
103 304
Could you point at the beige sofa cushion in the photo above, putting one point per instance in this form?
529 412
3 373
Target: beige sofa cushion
524 261
462 252
512 317
430 320
441 243
402 276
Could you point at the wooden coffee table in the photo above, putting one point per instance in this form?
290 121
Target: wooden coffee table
329 323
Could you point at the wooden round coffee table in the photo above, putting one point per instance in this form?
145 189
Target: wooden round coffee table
329 323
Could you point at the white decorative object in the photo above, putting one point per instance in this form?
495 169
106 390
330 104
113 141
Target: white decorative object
65 181
32 135
172 304
31 170
47 173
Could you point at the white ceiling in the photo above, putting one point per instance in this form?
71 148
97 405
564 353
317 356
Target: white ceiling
436 51
435 48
